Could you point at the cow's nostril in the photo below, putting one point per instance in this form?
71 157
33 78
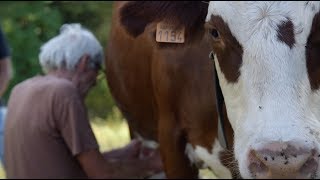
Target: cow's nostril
285 162
309 167
256 165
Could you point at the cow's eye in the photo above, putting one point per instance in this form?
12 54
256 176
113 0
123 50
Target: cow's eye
215 33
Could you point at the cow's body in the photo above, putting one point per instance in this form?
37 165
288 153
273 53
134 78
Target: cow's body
267 58
166 94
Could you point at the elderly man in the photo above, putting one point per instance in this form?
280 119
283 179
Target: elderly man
48 135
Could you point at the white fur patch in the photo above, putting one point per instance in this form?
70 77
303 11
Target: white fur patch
200 155
272 99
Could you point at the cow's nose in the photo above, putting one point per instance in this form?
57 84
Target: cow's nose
283 160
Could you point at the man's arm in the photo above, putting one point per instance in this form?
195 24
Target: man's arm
125 162
76 131
96 166
5 74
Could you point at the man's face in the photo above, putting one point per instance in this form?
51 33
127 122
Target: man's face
87 80
86 76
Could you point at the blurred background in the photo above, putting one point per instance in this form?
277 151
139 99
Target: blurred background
28 24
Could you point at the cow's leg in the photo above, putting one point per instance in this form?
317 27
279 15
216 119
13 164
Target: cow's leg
172 146
180 87
203 148
171 136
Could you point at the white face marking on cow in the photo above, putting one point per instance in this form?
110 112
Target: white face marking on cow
201 156
272 100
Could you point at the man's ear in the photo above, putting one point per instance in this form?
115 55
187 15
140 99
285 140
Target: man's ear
83 63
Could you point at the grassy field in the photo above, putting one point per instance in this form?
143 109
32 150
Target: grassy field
114 133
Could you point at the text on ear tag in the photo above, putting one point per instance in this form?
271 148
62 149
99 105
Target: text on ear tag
167 33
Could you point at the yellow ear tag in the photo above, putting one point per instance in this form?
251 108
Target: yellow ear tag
168 34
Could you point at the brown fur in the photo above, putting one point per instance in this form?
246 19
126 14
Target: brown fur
286 33
227 48
166 94
135 16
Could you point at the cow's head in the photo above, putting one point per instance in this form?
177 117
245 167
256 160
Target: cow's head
267 56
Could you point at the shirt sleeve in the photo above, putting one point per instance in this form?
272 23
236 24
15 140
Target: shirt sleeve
75 127
4 47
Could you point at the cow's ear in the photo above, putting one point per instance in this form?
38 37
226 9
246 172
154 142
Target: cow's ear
136 15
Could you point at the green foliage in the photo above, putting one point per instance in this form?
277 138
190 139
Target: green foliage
96 15
28 25
99 101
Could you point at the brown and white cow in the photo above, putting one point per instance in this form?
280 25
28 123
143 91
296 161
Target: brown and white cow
267 57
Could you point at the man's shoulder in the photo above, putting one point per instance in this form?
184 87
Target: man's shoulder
49 84
61 84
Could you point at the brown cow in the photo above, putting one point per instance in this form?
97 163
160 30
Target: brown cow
266 55
166 91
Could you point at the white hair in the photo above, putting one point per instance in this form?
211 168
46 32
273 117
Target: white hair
66 49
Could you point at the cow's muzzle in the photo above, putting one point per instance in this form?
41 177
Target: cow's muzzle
283 160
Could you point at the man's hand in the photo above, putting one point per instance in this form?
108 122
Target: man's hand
132 150
137 161
153 161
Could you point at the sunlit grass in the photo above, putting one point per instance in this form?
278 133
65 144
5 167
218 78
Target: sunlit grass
111 135
2 172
